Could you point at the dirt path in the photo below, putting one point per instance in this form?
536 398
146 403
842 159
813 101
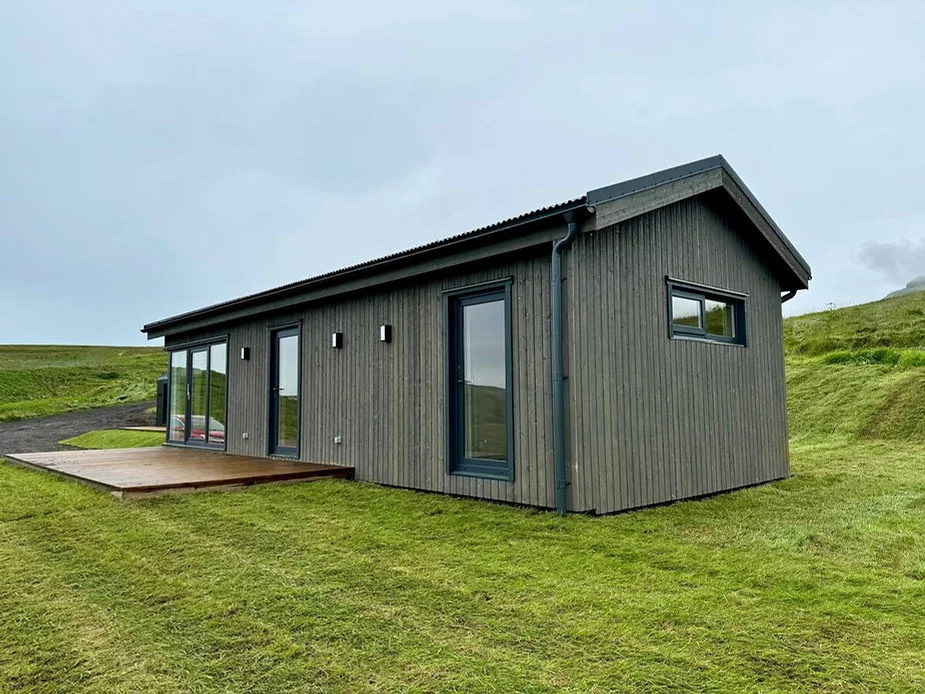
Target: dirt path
43 433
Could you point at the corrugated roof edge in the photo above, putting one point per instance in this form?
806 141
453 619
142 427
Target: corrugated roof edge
619 190
519 220
594 197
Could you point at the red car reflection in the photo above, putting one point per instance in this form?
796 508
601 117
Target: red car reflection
198 431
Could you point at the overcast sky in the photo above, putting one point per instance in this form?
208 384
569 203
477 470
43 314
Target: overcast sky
158 157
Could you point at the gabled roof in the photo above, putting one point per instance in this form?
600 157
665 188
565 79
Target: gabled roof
696 179
609 205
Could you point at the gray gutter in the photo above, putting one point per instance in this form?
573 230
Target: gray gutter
558 367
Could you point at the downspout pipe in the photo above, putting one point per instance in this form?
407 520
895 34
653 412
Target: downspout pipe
788 296
558 366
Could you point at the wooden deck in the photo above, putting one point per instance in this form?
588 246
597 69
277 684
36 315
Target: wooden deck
138 472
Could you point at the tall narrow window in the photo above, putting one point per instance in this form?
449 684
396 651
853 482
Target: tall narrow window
284 392
481 397
176 423
697 311
218 378
199 392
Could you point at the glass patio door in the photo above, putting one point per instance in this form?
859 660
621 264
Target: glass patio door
177 397
196 399
284 392
197 429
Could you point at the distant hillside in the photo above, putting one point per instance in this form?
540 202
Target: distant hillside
41 380
897 323
914 285
858 371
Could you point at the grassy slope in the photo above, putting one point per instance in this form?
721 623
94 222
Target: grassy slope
815 583
858 400
115 438
42 380
898 323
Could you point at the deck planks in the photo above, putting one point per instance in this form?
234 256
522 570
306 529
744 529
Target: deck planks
131 472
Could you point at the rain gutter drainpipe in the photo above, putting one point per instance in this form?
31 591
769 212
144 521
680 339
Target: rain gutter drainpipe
788 296
558 364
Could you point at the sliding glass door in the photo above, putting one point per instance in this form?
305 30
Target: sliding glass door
197 431
176 422
197 391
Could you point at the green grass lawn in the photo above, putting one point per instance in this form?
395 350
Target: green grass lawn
43 380
116 438
816 583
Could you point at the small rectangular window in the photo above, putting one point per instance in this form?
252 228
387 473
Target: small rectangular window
686 311
719 318
700 312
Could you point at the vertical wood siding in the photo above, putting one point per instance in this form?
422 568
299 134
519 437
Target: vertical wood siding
650 419
386 400
654 419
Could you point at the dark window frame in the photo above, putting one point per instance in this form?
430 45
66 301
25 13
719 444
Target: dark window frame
703 293
170 387
209 410
283 329
188 348
456 461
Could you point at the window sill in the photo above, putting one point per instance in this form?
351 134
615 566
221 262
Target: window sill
694 338
501 477
199 446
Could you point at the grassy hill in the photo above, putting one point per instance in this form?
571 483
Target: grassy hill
858 372
897 323
42 380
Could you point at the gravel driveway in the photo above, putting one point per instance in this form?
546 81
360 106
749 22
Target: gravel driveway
43 433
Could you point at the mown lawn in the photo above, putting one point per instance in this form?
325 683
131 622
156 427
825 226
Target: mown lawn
116 438
816 583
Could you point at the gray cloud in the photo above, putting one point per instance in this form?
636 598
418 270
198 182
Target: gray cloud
159 157
895 261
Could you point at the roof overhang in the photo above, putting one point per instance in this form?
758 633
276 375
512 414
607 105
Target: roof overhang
611 205
616 203
513 235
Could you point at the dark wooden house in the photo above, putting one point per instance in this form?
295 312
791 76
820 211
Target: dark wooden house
617 350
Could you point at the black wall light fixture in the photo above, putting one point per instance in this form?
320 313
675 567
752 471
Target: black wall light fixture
385 333
245 353
337 340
